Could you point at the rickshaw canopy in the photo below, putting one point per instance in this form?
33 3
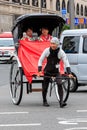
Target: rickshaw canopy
36 21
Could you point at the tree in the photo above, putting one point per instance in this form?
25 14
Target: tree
65 27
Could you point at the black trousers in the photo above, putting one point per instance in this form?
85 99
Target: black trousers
45 85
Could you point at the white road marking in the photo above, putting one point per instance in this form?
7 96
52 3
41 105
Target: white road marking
77 128
9 113
73 121
19 125
81 110
67 122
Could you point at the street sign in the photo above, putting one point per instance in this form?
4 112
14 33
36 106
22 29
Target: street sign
76 20
85 20
64 11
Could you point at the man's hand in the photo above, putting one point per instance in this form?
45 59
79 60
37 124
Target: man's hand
71 76
40 74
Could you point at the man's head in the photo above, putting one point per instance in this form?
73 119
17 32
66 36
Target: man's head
29 32
54 43
45 31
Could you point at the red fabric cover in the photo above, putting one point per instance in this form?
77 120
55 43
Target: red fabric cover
29 53
61 67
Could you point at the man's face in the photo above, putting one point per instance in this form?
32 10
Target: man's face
29 32
53 46
45 31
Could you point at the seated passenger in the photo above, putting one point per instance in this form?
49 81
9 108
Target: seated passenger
45 36
28 35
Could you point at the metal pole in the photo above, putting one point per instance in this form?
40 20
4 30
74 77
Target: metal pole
71 13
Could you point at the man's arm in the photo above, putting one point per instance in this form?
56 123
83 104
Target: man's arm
63 56
42 57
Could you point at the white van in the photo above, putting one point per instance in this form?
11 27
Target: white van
74 43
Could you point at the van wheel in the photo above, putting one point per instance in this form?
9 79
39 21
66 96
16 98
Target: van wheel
73 85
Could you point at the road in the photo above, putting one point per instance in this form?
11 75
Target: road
31 115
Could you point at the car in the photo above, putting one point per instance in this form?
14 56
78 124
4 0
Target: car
74 43
6 46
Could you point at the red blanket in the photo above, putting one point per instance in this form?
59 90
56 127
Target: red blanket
29 53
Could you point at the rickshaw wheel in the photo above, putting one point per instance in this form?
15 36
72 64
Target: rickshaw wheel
16 83
66 87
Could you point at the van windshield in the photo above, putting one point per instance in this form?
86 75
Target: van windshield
6 42
71 44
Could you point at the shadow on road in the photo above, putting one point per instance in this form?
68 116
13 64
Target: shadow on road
81 91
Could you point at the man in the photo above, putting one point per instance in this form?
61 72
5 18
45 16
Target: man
45 36
53 54
28 35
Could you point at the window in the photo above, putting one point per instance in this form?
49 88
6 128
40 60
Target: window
63 4
6 42
35 2
85 11
82 10
26 2
71 44
16 1
58 5
77 9
43 3
85 45
68 7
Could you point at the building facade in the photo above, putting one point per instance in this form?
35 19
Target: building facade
11 9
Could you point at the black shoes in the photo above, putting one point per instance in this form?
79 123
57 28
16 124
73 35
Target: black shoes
62 104
46 104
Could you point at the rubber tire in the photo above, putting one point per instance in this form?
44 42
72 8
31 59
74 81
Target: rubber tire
21 83
68 90
73 85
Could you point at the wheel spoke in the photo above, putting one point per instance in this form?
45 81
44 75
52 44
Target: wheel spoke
56 91
14 91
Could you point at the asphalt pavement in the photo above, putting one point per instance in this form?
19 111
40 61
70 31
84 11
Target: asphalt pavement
31 115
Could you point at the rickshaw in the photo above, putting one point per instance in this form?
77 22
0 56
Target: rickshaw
17 71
